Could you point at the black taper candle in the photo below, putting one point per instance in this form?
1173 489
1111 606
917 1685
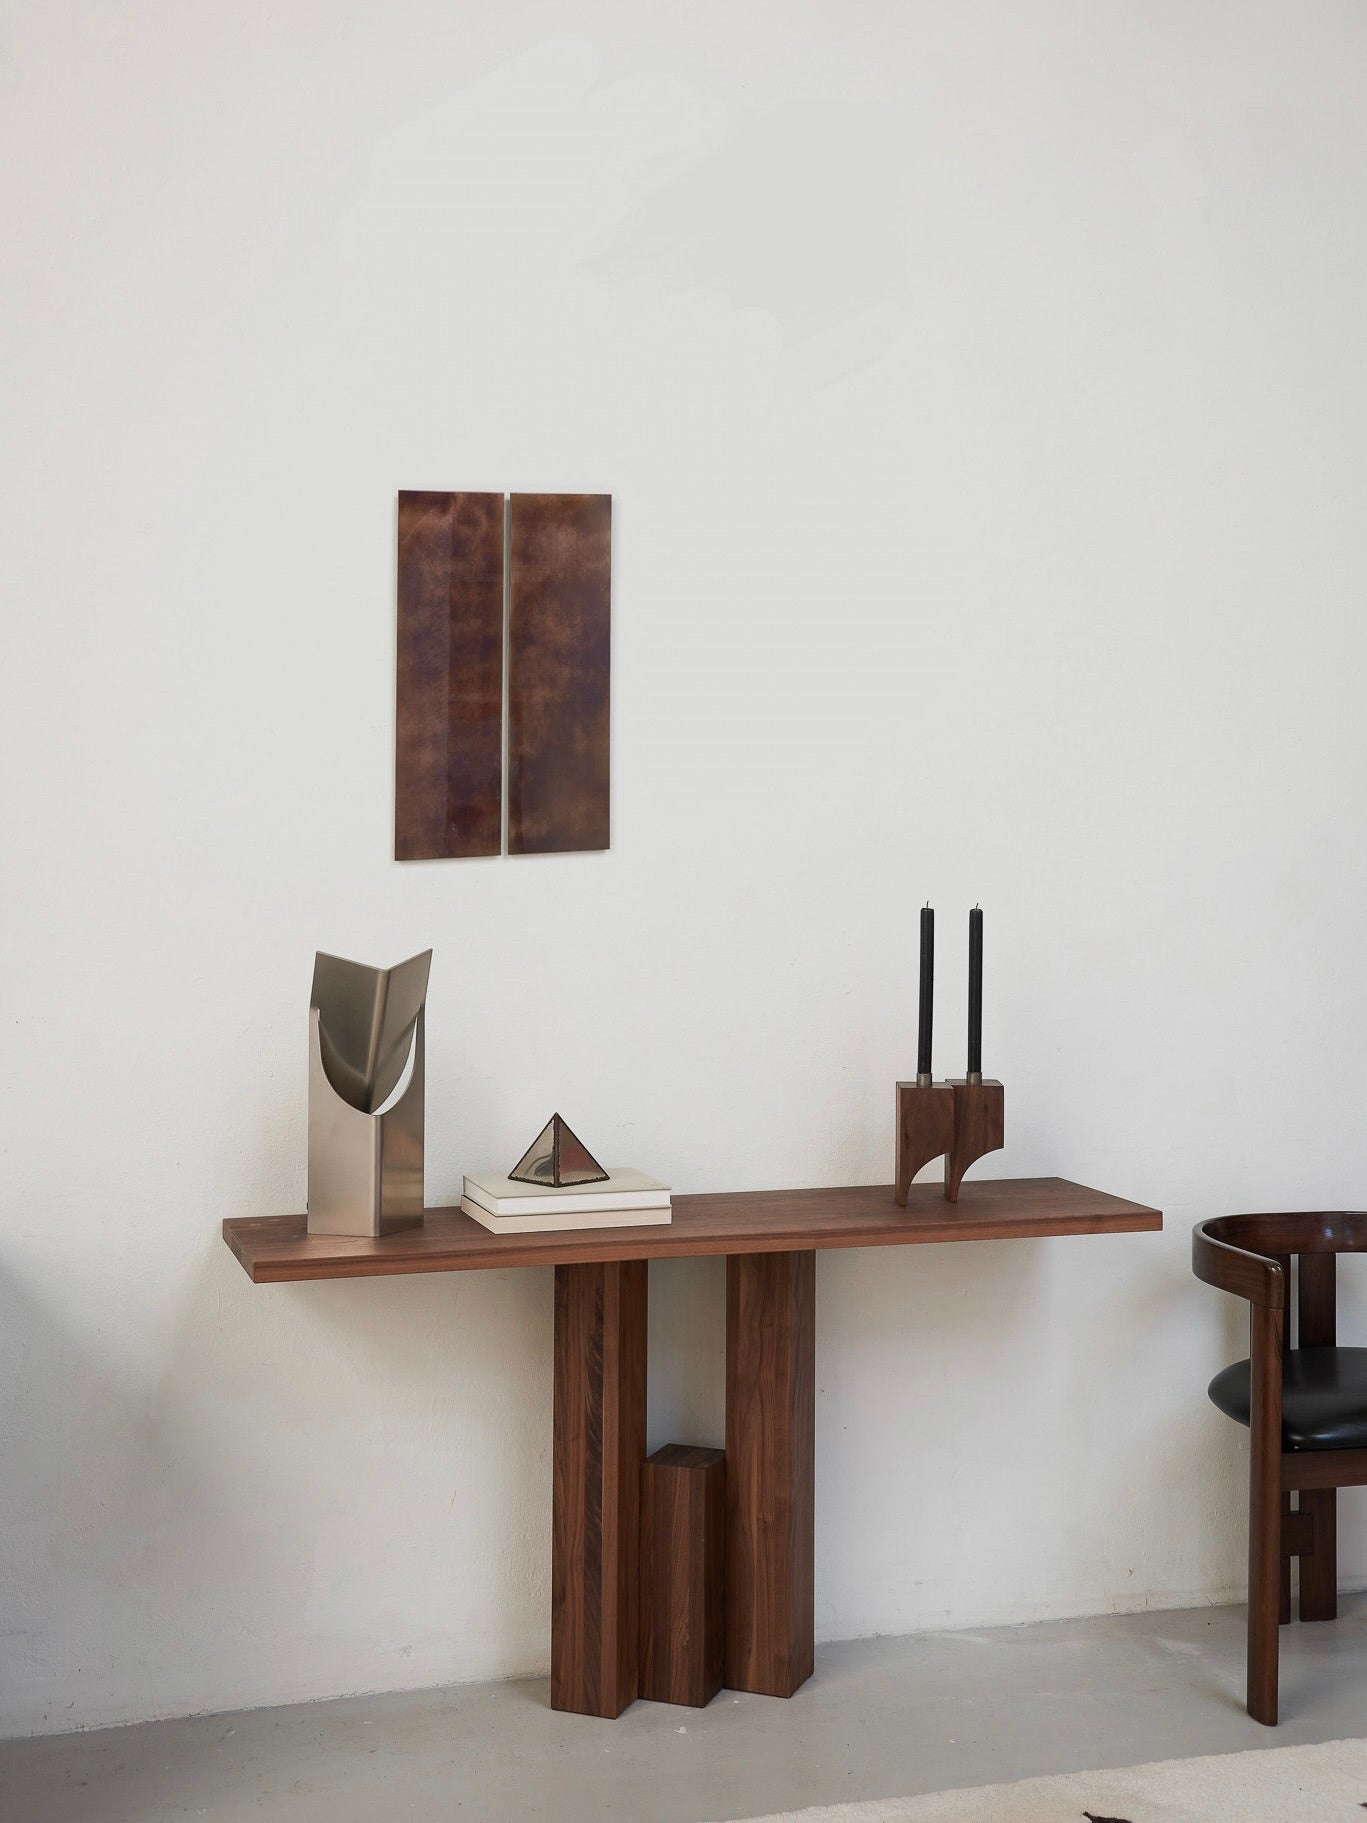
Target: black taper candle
927 991
975 992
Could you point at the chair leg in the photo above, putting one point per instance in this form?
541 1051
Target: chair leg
1319 1569
1264 1515
1264 1599
1284 1610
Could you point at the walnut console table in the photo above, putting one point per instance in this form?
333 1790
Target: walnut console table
770 1239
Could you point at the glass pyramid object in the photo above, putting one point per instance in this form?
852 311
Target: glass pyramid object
558 1157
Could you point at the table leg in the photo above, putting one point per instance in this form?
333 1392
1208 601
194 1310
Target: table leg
770 1456
598 1449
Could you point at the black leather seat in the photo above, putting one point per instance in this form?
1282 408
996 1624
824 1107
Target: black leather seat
1324 1398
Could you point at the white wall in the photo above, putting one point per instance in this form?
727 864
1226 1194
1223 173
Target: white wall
981 389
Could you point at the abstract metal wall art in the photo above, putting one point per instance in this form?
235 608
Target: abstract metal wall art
448 760
471 566
366 1095
559 667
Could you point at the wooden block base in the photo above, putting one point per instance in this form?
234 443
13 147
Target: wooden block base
925 1129
683 1545
979 1128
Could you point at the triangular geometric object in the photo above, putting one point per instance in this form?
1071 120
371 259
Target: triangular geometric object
557 1156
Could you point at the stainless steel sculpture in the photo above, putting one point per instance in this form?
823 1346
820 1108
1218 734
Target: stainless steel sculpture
366 1096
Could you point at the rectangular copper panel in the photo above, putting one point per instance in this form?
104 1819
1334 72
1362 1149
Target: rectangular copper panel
559 659
448 772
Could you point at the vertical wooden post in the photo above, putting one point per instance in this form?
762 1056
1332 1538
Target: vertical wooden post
1319 1566
599 1444
1317 1327
1264 1512
770 1486
1284 1587
1316 1301
683 1544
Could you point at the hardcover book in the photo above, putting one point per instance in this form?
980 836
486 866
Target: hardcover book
550 1219
621 1189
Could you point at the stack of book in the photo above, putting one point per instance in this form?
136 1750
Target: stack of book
625 1199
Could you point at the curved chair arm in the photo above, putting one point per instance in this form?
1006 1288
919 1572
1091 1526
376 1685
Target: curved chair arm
1244 1254
1236 1269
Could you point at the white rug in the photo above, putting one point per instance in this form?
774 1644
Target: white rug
1326 1784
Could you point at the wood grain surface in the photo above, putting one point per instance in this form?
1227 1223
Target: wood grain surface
448 761
979 1128
683 1561
276 1248
599 1444
1317 1327
1315 1469
770 1470
1265 1501
925 1129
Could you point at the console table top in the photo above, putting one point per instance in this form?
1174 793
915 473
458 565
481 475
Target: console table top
277 1248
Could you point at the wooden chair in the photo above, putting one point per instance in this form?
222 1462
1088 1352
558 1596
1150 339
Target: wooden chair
1306 1408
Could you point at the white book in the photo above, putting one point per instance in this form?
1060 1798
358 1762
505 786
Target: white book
553 1219
622 1189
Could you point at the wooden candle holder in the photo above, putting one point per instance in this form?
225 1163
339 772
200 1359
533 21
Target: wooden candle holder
979 1127
925 1129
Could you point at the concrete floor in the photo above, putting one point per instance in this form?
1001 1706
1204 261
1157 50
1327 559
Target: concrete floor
881 1718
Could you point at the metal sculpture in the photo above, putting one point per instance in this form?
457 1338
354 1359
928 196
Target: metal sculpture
366 1095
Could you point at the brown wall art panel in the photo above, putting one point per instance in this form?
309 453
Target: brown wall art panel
448 779
559 645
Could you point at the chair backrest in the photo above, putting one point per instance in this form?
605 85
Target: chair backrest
1251 1255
